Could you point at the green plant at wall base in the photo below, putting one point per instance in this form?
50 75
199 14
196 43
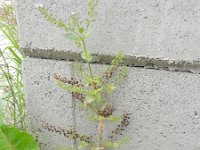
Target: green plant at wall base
93 90
11 85
14 139
12 102
11 77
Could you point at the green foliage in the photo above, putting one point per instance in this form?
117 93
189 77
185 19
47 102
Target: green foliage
114 118
70 88
72 36
12 102
11 85
110 88
14 139
93 91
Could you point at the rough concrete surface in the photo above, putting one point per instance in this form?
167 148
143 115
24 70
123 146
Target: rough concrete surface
164 105
155 28
46 103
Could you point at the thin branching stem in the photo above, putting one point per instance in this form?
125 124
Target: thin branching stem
7 75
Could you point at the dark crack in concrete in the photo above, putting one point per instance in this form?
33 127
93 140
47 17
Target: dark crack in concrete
131 61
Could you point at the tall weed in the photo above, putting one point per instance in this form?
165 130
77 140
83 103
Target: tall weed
11 85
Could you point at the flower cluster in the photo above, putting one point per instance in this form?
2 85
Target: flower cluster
106 111
72 82
121 127
69 133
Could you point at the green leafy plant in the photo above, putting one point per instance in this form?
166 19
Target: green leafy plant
12 102
93 90
11 85
13 139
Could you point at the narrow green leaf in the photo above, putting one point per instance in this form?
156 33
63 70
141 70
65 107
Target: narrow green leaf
69 88
7 31
16 57
72 36
114 118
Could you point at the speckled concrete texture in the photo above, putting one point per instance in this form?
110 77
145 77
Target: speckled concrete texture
154 28
46 103
164 105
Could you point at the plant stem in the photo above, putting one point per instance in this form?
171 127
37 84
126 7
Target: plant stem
90 69
101 122
88 63
7 75
100 132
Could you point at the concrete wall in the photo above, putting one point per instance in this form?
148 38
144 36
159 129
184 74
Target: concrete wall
161 41
156 28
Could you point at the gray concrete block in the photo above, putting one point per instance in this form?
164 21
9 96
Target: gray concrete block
164 106
165 109
46 103
164 29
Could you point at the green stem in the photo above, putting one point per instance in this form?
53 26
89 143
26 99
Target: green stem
86 53
88 63
11 87
90 69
